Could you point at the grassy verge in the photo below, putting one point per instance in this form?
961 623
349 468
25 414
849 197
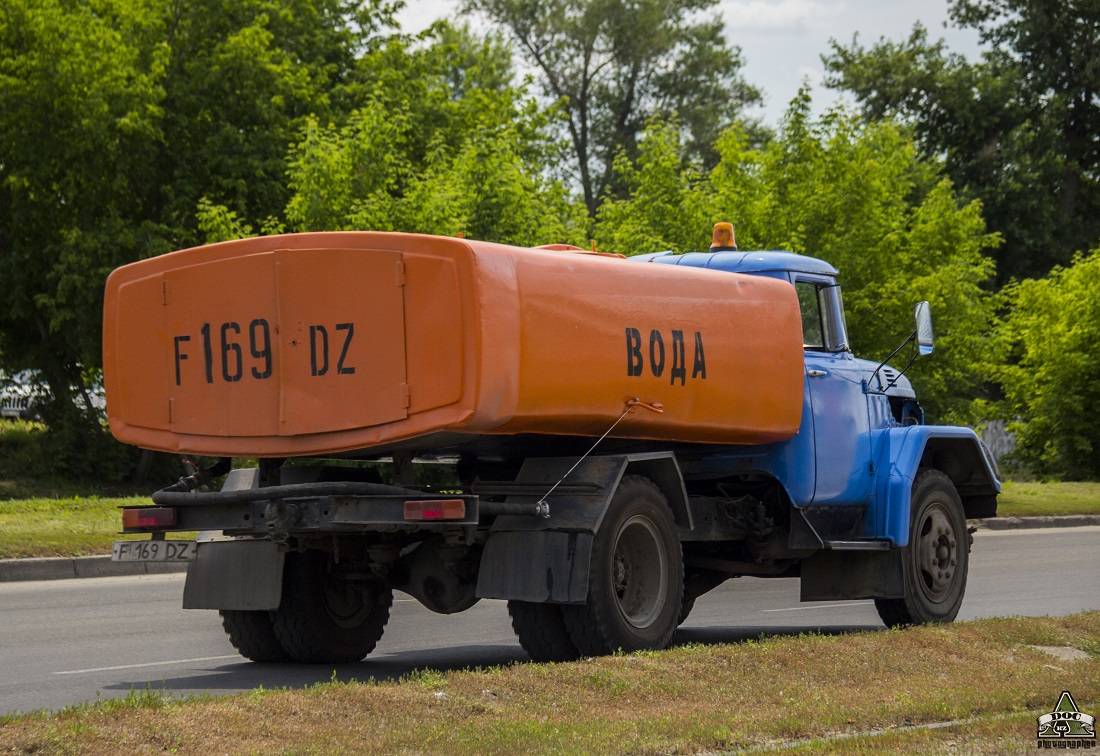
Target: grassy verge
69 526
1032 499
809 693
1012 734
38 520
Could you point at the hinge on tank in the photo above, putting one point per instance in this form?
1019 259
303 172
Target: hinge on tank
405 395
164 291
400 273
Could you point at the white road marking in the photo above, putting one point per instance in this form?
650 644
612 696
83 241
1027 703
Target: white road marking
818 606
147 664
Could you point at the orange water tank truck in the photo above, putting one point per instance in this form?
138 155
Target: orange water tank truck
622 436
327 343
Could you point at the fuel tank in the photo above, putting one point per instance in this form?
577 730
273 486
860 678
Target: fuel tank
346 342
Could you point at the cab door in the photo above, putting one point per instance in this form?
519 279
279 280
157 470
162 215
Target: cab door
834 383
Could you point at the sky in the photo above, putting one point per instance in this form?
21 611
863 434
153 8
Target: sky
782 40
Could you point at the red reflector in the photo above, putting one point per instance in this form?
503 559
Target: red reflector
435 509
149 517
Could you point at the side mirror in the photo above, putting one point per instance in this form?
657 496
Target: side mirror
923 314
923 338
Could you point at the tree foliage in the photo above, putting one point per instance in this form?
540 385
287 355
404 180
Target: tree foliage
1047 366
243 76
80 93
132 127
116 117
855 195
457 149
613 64
1016 129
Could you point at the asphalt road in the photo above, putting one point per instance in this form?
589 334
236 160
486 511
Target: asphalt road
69 641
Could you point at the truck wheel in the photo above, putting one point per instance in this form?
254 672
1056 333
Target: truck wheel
636 578
541 631
324 619
935 563
686 605
252 634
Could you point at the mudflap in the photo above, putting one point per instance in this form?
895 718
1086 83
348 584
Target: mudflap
235 574
839 575
546 560
539 567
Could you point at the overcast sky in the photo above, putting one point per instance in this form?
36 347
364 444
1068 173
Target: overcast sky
782 40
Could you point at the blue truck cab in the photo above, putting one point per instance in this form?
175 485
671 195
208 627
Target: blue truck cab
878 499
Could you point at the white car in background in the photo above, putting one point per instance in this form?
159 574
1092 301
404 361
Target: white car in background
19 396
22 395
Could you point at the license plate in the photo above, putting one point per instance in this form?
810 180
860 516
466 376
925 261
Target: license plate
154 551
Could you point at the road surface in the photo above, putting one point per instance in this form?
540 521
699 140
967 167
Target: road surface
70 641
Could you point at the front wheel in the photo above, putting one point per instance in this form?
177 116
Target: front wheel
636 577
935 563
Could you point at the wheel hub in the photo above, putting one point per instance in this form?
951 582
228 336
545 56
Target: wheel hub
639 572
938 553
347 602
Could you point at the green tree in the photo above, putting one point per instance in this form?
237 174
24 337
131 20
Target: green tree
1015 129
1048 341
116 118
613 64
244 77
856 195
453 147
80 98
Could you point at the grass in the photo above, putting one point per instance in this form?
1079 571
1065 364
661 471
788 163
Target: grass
1012 734
1032 499
74 526
852 693
56 519
43 519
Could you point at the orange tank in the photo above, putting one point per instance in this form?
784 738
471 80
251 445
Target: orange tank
324 343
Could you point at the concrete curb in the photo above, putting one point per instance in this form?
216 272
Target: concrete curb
65 568
1020 523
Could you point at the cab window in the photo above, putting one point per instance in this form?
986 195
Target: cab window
822 316
811 315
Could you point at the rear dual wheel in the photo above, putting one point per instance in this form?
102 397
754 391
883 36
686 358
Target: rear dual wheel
322 619
542 632
635 585
252 634
325 618
636 576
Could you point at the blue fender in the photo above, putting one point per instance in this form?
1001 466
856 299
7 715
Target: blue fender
901 452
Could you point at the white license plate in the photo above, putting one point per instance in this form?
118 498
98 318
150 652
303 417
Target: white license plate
154 551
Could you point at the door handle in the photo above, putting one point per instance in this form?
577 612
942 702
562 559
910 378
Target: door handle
816 373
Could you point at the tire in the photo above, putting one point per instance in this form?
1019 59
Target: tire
686 605
252 634
936 561
636 576
542 632
326 620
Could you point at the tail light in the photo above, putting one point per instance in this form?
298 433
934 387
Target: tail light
435 509
149 517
